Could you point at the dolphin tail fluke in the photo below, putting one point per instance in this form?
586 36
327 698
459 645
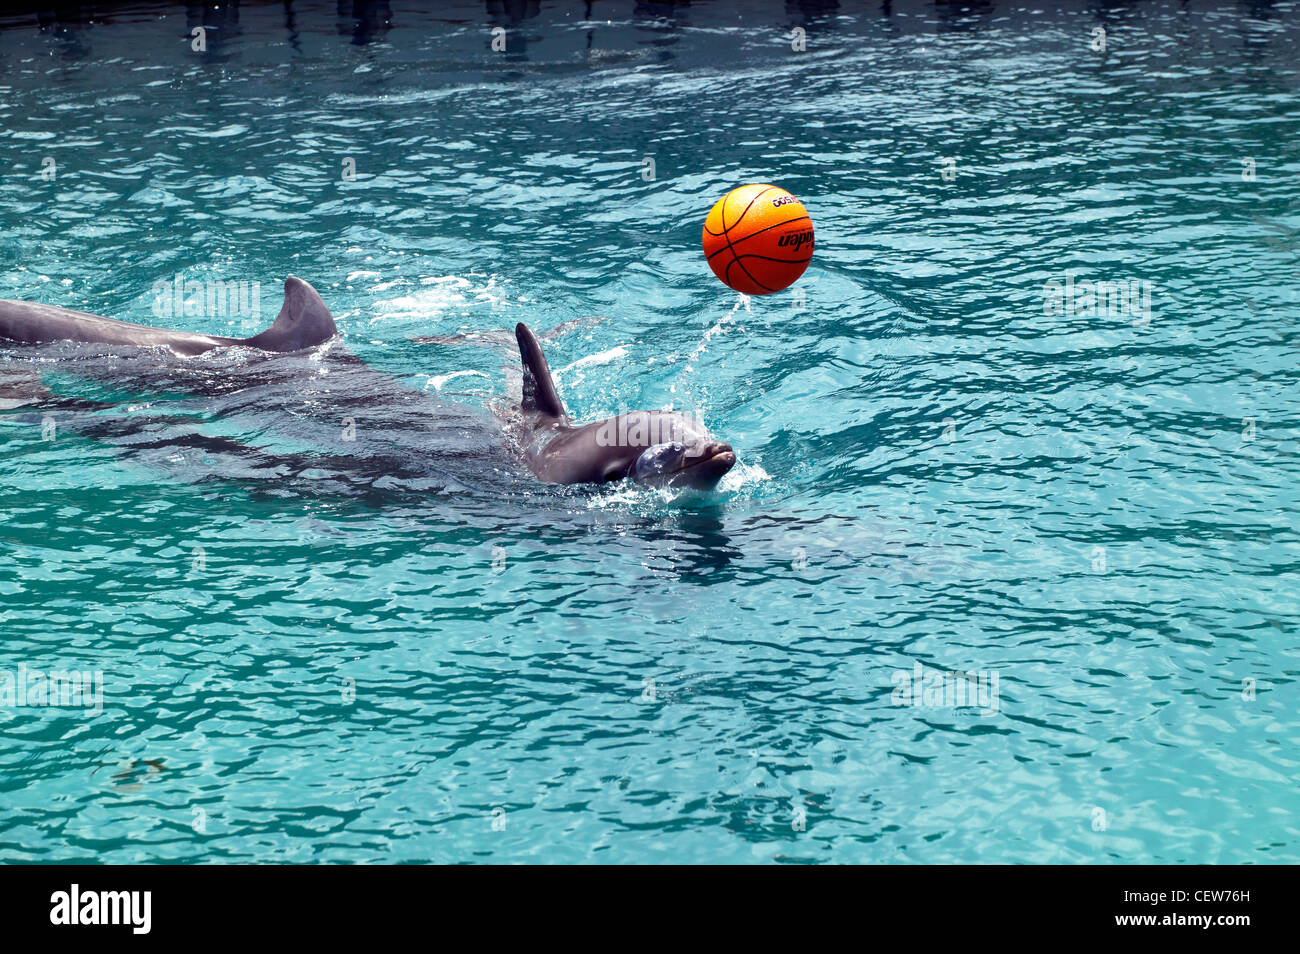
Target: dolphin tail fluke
303 322
539 393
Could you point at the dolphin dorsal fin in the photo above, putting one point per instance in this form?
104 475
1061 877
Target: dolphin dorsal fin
304 320
540 395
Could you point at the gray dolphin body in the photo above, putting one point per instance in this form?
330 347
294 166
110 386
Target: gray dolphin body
650 447
303 322
657 448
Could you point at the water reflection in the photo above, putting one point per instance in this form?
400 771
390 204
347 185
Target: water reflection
365 20
698 547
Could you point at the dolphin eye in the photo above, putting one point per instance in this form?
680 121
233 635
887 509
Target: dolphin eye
656 459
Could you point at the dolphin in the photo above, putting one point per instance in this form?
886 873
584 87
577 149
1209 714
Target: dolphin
655 448
303 322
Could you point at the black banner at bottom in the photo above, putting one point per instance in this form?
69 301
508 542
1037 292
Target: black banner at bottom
214 903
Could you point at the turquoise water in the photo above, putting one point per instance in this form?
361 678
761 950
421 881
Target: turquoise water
400 648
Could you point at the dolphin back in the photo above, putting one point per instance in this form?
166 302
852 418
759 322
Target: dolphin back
303 322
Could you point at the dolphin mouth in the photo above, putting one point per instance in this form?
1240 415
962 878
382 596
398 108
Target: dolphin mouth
708 467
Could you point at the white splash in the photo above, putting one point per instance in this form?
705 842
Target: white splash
439 293
742 301
628 494
741 476
438 380
592 360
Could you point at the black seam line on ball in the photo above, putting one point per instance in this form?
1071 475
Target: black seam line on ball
725 227
768 258
726 275
759 232
725 230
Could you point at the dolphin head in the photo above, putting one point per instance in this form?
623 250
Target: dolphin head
655 448
661 449
699 465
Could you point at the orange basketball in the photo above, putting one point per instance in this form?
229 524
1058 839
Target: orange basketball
758 239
